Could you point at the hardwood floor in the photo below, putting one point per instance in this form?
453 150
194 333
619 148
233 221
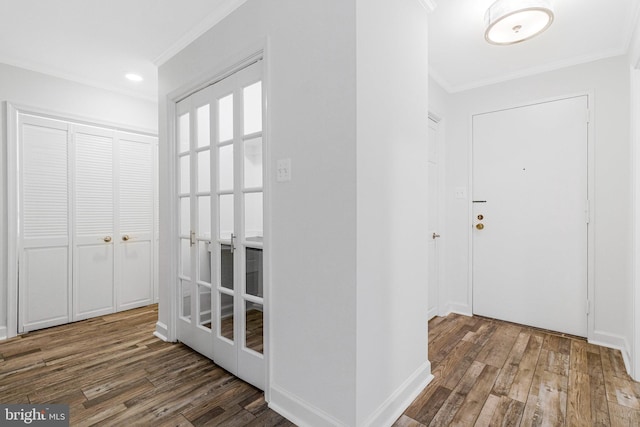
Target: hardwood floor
492 373
112 371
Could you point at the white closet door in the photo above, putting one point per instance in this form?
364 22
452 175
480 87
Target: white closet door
93 266
135 213
44 250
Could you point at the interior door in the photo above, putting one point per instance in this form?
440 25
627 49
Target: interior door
220 198
239 218
433 164
44 246
94 223
194 201
136 218
530 215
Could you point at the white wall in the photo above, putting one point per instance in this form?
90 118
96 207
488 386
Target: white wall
347 299
392 209
609 81
311 102
20 86
438 99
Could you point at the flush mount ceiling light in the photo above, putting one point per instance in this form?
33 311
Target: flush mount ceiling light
134 77
514 21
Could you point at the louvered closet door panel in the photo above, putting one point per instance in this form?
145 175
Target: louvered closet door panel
44 224
93 290
136 221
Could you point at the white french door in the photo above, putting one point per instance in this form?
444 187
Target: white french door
220 203
530 215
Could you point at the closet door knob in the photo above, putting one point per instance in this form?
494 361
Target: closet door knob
126 237
107 239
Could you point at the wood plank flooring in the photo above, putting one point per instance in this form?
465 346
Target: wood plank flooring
112 371
493 373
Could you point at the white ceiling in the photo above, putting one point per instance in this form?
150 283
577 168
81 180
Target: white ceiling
98 41
583 30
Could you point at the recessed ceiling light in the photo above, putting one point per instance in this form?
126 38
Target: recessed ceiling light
134 77
514 21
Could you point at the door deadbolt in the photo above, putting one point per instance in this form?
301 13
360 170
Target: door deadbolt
479 226
480 217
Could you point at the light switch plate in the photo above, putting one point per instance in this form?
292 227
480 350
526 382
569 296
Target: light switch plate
283 170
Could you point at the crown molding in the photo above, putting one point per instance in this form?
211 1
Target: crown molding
225 9
633 46
430 5
585 59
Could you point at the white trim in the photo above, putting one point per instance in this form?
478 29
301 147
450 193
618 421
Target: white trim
635 219
633 39
615 342
77 119
590 194
392 408
161 331
430 5
457 308
440 308
210 21
268 218
299 411
12 220
584 59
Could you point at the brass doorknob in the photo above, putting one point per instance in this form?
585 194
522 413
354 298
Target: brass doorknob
126 237
107 239
480 226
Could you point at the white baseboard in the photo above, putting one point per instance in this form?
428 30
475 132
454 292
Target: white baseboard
399 401
462 309
432 313
162 331
298 411
3 333
616 342
304 414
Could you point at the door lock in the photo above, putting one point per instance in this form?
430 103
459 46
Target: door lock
480 226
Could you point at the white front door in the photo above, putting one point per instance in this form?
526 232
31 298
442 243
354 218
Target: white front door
530 215
434 209
220 202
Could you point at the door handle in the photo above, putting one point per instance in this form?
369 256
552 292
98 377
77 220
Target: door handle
107 239
480 226
232 248
126 237
435 236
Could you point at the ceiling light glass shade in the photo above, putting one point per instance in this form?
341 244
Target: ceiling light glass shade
514 21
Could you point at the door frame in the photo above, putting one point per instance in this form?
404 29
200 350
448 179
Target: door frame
13 110
592 334
439 121
256 52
